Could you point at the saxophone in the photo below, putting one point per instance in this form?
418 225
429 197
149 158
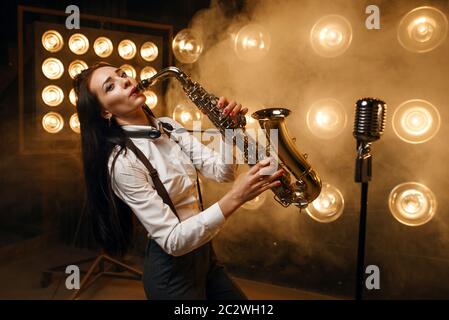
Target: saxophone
306 185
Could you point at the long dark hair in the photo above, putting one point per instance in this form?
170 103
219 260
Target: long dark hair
112 219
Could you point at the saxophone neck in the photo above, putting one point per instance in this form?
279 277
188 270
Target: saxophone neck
169 72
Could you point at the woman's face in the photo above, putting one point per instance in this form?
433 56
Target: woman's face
116 92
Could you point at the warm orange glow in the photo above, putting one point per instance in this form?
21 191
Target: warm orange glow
186 114
147 72
252 42
331 36
52 95
328 206
103 47
326 118
52 41
129 70
75 123
412 203
72 97
416 121
127 49
187 46
52 68
52 122
422 29
76 67
151 99
78 43
149 51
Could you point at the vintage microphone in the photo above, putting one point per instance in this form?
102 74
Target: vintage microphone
369 126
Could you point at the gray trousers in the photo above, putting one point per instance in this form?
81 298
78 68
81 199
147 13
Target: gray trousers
195 275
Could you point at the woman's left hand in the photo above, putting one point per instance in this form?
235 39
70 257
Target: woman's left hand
231 108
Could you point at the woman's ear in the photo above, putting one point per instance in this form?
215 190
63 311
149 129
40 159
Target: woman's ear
106 114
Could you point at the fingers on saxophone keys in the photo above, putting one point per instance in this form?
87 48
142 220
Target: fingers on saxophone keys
272 180
276 183
258 165
229 108
221 102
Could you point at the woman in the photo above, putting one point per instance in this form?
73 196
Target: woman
179 262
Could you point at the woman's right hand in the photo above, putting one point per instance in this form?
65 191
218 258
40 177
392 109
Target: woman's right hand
251 184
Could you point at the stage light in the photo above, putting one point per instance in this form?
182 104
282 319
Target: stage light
186 114
422 29
412 203
151 99
416 121
75 68
149 51
328 206
78 43
326 118
129 70
72 97
252 43
52 68
331 36
52 95
52 122
187 46
147 72
103 47
75 123
52 41
127 49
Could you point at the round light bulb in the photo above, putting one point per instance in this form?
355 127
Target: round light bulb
52 41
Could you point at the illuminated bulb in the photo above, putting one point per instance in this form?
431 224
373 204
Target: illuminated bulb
127 49
72 97
76 67
129 70
187 46
331 36
412 203
328 206
186 115
149 51
103 47
151 99
78 43
52 122
52 68
326 118
52 41
416 121
252 43
147 72
422 29
52 95
75 123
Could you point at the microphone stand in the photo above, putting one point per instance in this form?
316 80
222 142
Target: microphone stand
362 174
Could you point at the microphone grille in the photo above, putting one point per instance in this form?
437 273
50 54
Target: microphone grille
370 118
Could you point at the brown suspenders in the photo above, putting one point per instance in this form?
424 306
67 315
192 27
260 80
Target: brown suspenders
154 175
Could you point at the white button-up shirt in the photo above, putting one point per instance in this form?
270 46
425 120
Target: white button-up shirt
176 164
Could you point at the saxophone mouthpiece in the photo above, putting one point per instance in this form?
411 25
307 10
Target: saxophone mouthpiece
142 85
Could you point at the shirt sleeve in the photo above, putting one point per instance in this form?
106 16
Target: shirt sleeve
131 183
211 164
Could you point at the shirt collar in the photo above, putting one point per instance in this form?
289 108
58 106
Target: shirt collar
135 127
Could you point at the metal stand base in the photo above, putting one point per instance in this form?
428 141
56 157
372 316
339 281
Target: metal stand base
95 271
